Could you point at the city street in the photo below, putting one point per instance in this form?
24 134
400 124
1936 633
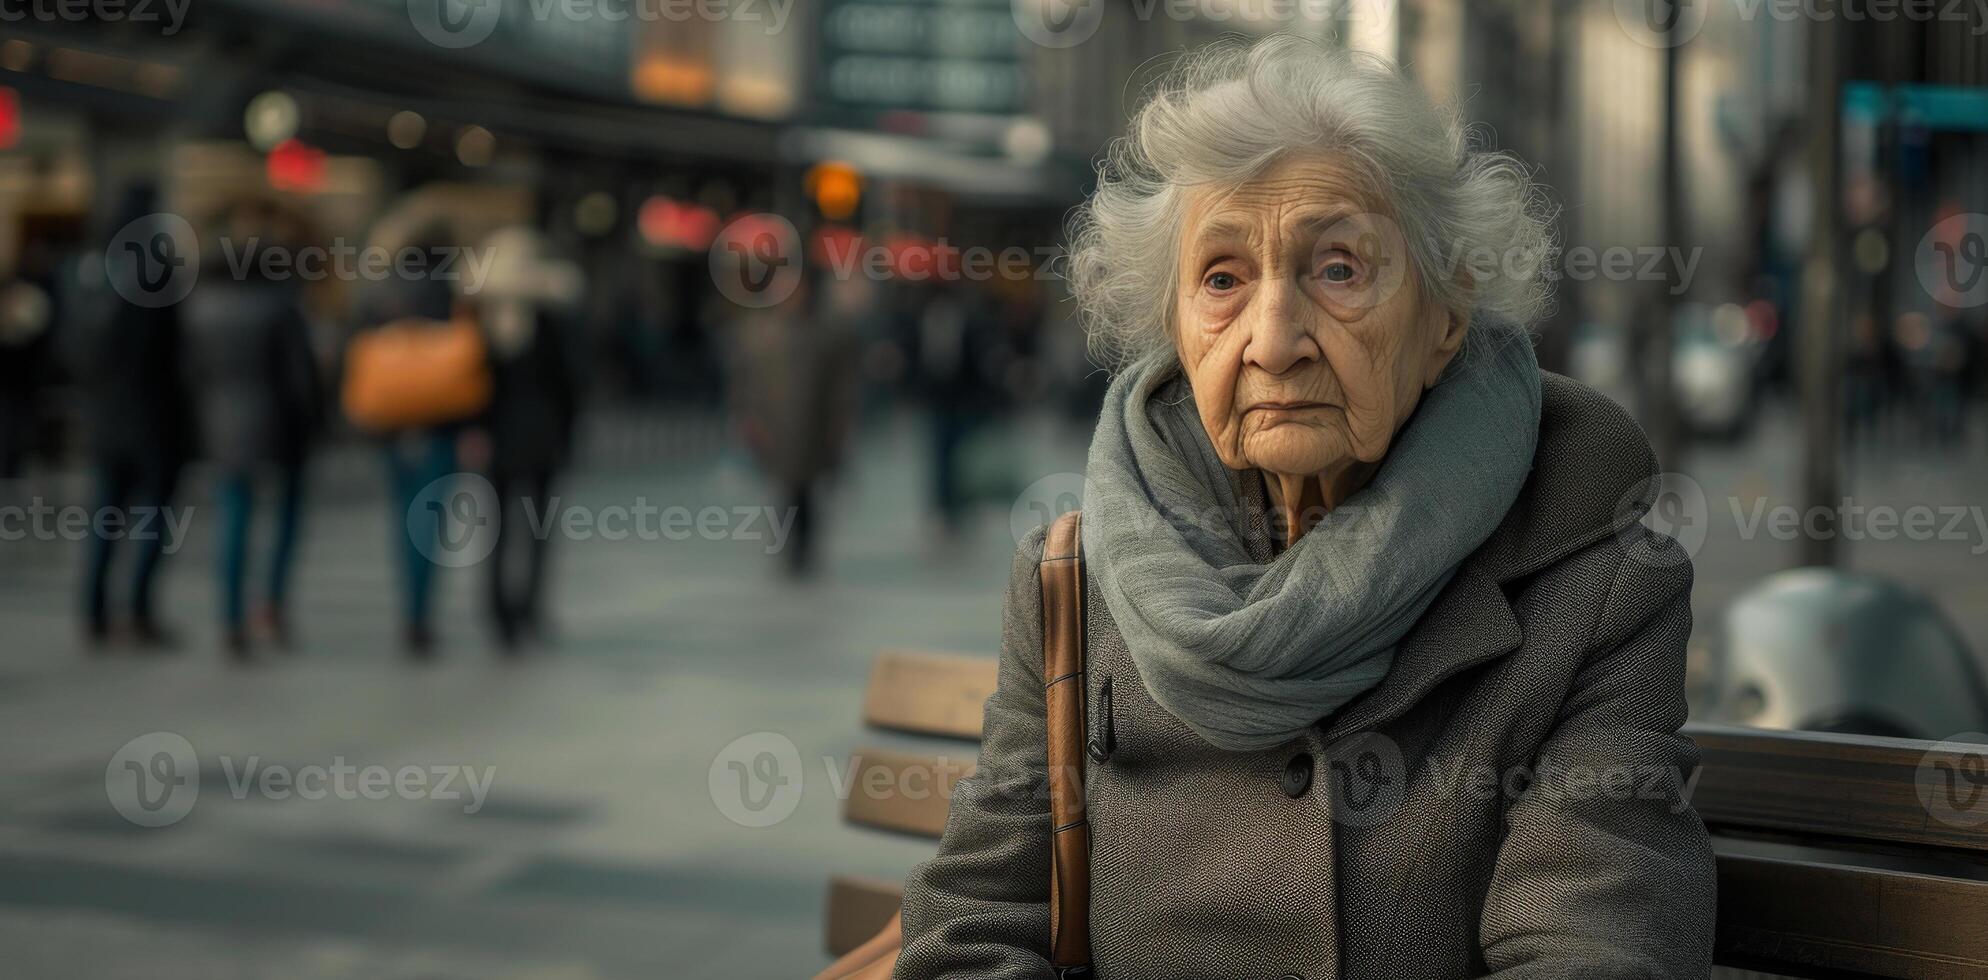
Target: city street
601 849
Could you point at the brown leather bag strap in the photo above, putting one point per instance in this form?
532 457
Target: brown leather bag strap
1062 571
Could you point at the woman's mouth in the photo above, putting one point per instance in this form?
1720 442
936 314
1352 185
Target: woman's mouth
1285 406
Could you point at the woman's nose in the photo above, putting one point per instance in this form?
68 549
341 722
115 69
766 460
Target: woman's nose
1279 337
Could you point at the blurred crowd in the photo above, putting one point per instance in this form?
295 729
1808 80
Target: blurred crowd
453 377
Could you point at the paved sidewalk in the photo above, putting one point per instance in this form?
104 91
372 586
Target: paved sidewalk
599 852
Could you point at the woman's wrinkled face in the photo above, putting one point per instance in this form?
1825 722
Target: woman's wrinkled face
1300 322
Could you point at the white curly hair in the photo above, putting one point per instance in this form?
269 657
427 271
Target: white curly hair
1227 111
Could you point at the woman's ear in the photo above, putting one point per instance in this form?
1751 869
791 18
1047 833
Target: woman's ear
1449 340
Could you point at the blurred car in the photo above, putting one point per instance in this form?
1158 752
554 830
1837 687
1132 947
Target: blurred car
1715 364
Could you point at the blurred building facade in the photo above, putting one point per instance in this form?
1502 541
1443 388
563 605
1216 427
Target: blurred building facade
631 137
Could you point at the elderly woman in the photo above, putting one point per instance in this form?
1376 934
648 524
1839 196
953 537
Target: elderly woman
1384 678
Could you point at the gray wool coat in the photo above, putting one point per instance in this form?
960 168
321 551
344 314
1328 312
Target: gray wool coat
1511 800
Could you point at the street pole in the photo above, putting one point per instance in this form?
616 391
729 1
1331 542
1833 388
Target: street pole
1821 337
1665 433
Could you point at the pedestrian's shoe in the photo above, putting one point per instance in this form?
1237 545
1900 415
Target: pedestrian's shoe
419 643
274 626
96 636
237 644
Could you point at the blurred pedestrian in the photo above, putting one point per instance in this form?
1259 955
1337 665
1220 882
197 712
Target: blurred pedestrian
139 419
957 334
26 314
414 374
1949 367
259 404
530 422
794 395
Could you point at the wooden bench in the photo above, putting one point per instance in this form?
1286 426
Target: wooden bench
1830 864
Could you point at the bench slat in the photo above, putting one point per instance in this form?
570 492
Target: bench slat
903 791
1848 787
857 908
1768 918
929 693
1797 917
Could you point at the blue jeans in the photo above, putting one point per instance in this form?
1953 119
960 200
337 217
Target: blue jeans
415 461
234 494
127 488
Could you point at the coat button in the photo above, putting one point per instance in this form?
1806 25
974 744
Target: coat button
1297 776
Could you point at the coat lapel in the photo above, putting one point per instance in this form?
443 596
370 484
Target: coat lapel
1592 475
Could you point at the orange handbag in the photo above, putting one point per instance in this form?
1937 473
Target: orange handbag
415 373
1062 573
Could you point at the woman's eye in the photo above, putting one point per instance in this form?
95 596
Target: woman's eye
1339 269
1222 282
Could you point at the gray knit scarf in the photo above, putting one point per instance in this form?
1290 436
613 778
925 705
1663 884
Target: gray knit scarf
1250 654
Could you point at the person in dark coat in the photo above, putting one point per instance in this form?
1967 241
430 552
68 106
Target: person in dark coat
27 318
139 421
258 397
793 390
534 404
